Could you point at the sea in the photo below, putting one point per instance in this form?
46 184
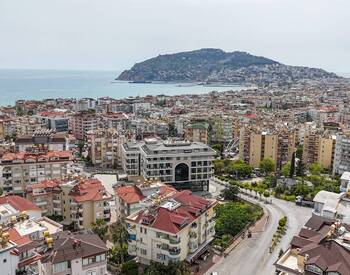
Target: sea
42 84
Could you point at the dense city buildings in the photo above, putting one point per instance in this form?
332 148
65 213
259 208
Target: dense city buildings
184 164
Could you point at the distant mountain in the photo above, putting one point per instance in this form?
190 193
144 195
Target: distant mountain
215 65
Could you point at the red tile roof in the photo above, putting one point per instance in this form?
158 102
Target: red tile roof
25 156
172 221
19 203
129 194
89 190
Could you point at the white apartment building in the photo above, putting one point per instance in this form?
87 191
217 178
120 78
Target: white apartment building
9 262
173 229
183 164
17 170
341 161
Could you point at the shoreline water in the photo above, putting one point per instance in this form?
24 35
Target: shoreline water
42 84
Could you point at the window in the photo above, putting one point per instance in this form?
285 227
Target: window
60 267
143 251
91 273
314 269
94 259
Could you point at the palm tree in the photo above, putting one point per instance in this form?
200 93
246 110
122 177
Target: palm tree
100 228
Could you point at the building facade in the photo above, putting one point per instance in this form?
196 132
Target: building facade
17 170
183 164
174 229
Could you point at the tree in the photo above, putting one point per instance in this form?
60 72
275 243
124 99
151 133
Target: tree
1 191
267 165
117 254
130 268
286 169
100 228
119 234
232 217
230 193
219 166
292 166
266 194
315 169
299 152
179 268
301 169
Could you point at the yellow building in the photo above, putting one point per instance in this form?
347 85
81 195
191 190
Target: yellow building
318 148
263 145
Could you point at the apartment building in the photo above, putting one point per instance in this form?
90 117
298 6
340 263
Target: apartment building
177 228
27 125
41 140
12 206
130 198
57 121
183 164
77 253
262 145
222 129
105 147
80 201
197 132
17 170
83 122
321 247
28 234
342 154
9 261
244 144
319 148
117 120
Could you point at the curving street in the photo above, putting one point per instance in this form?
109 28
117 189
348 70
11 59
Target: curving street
252 255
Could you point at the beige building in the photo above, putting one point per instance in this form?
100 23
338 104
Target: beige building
83 122
105 147
263 145
169 230
27 125
17 170
319 148
197 132
78 201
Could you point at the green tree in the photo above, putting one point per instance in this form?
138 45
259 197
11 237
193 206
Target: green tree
179 268
316 169
230 193
232 217
299 152
219 166
266 194
119 233
292 166
267 165
117 254
286 169
1 191
100 228
130 268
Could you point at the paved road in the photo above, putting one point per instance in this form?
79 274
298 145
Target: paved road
252 256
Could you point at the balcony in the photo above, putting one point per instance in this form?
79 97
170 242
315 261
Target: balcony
174 240
193 235
174 251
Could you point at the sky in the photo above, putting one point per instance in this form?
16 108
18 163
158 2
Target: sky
115 34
